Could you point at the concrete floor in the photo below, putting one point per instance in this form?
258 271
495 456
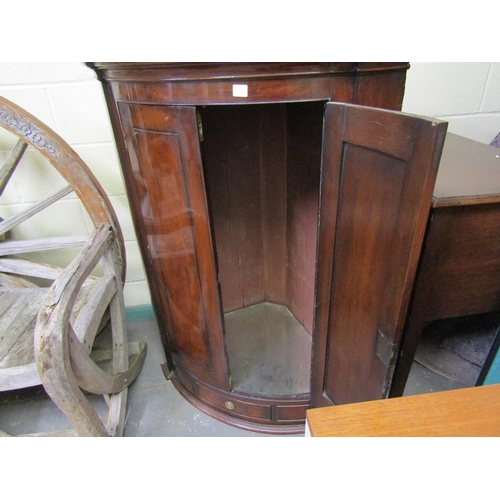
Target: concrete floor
155 408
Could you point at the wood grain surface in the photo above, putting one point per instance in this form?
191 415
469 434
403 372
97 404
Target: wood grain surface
464 412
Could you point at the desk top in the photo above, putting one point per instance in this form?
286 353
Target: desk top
474 411
469 173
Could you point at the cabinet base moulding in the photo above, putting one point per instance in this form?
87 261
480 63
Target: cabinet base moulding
272 415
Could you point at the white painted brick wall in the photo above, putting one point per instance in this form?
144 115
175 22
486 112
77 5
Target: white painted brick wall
467 95
68 98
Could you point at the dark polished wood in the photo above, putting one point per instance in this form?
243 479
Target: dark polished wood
378 176
459 272
172 201
469 174
212 83
224 195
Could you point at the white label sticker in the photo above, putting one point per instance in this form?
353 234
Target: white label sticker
240 90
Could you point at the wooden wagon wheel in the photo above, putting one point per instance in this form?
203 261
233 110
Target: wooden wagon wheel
71 311
80 179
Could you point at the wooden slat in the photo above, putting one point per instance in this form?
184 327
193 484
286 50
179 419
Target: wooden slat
11 164
11 247
6 301
17 321
19 357
8 281
21 352
115 421
61 433
89 309
104 353
15 220
93 379
29 268
19 377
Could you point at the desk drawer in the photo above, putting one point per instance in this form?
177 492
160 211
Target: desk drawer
461 263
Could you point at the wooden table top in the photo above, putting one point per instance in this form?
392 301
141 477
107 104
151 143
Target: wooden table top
473 411
469 173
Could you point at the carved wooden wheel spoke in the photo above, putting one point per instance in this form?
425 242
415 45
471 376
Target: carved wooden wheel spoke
14 270
76 174
9 167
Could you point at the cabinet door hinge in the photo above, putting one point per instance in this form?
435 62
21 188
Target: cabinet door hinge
200 125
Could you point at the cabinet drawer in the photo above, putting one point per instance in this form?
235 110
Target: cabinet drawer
233 406
289 412
461 261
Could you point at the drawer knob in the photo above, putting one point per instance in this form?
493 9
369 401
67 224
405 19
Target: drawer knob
229 405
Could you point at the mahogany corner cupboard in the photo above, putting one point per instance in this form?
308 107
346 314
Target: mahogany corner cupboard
280 210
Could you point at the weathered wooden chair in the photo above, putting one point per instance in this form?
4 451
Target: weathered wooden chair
48 328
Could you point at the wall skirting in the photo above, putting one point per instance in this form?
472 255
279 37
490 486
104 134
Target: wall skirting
139 313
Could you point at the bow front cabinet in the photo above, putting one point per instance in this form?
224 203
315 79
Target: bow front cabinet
280 210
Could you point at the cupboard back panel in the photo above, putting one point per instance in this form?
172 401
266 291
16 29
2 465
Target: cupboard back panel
231 162
304 141
262 167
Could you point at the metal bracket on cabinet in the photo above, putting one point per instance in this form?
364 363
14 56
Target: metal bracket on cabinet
169 374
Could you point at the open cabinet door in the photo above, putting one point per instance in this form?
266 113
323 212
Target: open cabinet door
165 179
378 174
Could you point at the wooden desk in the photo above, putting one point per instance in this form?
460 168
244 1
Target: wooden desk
459 272
473 411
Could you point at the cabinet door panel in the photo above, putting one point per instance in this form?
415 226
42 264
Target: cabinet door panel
378 173
170 193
